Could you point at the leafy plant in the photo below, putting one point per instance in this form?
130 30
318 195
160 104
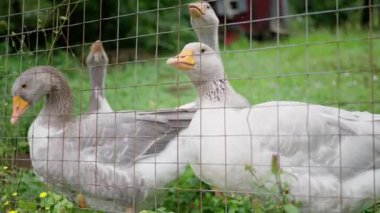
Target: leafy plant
21 191
158 210
143 24
189 194
272 196
370 207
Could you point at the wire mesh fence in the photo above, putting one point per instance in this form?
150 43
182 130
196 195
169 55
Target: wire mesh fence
293 128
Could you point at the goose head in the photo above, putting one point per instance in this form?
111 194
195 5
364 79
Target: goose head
205 23
97 55
35 83
202 15
200 62
205 68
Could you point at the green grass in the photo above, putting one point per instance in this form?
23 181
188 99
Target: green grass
328 73
322 68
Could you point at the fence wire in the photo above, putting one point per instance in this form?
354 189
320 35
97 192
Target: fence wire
304 53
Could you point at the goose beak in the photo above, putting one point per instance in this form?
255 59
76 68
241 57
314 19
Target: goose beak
196 10
184 61
97 50
19 107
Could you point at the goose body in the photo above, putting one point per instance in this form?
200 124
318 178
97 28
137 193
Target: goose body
326 149
332 154
97 61
94 153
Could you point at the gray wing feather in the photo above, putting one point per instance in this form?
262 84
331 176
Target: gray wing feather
176 119
123 137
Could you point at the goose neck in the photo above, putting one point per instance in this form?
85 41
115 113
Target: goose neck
98 75
209 36
59 102
214 91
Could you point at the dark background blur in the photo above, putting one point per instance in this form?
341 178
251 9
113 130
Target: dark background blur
152 26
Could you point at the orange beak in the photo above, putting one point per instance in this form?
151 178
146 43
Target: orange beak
97 49
19 107
196 10
183 61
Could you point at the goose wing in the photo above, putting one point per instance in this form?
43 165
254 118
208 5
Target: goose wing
124 137
322 136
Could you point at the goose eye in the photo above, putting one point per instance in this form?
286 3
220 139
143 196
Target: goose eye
208 6
23 86
203 50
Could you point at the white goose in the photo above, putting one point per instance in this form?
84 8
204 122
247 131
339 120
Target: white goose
334 153
205 23
93 153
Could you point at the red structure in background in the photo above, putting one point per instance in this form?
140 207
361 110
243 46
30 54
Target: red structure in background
263 15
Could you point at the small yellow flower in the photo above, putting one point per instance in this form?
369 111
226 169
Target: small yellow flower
5 167
14 194
6 203
43 194
12 211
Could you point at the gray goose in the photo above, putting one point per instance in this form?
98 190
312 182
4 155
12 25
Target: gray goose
97 62
95 153
332 154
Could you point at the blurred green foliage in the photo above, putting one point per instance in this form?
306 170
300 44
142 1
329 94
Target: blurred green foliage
154 23
139 26
327 13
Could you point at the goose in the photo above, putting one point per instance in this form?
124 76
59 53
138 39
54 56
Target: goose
205 23
97 62
332 154
92 153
